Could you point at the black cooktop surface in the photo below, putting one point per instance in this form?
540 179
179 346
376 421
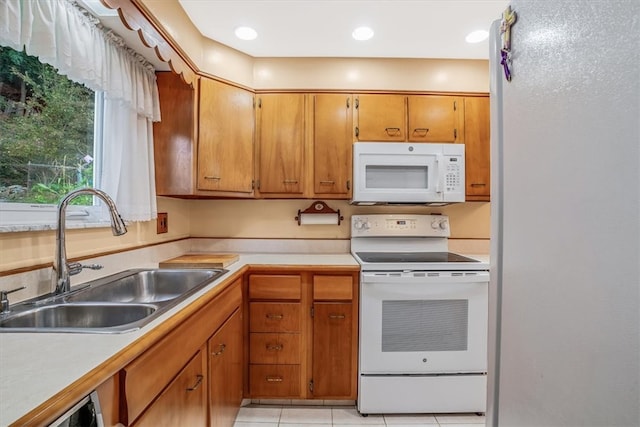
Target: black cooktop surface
412 257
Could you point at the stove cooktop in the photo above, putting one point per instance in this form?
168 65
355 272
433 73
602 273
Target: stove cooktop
412 257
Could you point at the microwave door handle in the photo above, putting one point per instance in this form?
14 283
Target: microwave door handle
439 173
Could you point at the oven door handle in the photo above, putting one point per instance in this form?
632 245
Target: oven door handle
410 278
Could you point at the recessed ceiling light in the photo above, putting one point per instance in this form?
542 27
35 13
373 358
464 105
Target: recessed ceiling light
362 33
246 33
477 36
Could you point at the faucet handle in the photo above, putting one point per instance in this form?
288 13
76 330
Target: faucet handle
4 299
76 267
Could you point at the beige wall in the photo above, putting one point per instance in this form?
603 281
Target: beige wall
275 218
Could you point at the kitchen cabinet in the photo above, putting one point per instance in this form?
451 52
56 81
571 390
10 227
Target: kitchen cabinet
173 372
477 152
332 145
225 138
183 402
281 144
275 334
173 137
435 118
303 332
380 117
335 332
225 349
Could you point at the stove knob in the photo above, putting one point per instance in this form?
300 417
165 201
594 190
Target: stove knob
360 225
439 224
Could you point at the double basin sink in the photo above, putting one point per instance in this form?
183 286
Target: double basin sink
122 302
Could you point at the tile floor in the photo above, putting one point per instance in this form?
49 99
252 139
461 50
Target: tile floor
257 415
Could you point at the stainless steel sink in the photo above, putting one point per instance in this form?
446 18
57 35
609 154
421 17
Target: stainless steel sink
148 286
118 303
88 317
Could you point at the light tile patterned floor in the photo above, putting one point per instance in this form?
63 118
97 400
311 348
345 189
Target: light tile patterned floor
256 415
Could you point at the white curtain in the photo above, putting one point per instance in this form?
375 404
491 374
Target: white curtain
62 34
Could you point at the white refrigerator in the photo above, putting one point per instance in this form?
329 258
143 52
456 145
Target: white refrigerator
565 217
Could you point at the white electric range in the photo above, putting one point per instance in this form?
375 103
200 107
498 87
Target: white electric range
423 317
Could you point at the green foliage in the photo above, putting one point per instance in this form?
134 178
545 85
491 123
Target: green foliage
46 128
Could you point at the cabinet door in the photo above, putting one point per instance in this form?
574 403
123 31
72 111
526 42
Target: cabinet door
225 372
434 118
332 145
183 402
225 138
173 137
381 117
477 155
333 342
281 144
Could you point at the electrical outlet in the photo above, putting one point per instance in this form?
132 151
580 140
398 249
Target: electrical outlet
163 222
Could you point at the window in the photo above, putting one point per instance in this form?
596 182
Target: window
47 139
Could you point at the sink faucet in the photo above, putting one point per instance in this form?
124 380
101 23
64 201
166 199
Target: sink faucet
61 269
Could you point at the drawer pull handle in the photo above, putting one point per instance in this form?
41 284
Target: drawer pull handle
393 131
274 316
290 181
274 379
421 130
221 349
275 347
336 316
217 178
197 384
327 182
478 184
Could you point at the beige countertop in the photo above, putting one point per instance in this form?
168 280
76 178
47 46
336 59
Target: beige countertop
36 366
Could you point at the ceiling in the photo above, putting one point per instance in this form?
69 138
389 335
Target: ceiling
322 28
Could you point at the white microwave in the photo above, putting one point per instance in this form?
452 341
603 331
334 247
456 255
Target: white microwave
408 173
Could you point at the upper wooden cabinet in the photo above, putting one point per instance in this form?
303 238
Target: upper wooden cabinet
332 145
380 117
477 153
435 118
173 139
225 138
281 140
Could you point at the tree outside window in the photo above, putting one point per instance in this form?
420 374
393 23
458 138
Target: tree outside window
46 132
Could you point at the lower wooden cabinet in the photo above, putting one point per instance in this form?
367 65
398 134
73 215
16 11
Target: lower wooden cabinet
168 384
225 349
183 402
303 344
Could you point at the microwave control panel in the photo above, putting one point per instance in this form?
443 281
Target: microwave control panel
453 179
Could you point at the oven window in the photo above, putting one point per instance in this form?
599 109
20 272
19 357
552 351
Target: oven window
424 325
397 176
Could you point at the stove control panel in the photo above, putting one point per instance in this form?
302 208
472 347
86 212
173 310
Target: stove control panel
379 225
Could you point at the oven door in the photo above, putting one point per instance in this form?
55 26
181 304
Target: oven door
423 322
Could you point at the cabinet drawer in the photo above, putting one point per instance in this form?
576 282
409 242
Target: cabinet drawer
274 317
274 349
277 286
332 288
274 380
